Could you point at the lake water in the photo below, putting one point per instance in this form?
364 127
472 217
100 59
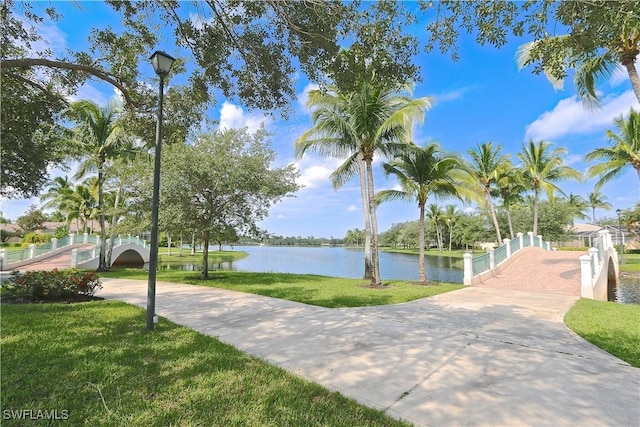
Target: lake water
348 262
336 261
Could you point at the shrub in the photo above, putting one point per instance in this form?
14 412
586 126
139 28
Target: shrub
36 238
54 284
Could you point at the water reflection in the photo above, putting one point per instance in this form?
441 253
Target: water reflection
628 289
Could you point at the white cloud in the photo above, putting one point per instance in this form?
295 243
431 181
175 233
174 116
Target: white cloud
315 171
352 208
234 117
570 117
452 94
572 159
303 96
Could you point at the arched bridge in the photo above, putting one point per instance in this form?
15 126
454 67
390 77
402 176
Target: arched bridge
75 252
528 264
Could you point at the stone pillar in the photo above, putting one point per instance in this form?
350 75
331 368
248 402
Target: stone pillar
521 239
54 244
530 233
72 238
74 258
586 280
548 245
540 241
507 243
119 240
32 251
93 251
593 253
85 238
468 268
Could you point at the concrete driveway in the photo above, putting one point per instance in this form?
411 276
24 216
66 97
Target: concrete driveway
470 357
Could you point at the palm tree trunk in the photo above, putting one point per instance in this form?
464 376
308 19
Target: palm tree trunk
536 202
422 273
493 215
375 261
368 268
193 242
593 217
633 76
510 222
102 262
450 236
114 218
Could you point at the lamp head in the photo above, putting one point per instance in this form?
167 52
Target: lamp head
618 211
161 63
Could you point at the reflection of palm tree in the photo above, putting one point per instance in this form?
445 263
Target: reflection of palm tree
624 150
542 167
101 139
484 170
599 201
422 172
356 125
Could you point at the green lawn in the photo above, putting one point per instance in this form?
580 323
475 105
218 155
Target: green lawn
611 326
632 262
187 258
306 288
456 253
92 362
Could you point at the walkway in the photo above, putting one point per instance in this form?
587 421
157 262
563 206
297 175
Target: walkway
476 356
61 260
537 270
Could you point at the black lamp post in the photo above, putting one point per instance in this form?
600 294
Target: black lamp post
619 212
161 65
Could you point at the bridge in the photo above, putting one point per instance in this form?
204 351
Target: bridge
75 252
529 264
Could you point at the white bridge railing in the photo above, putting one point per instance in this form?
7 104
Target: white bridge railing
599 269
474 267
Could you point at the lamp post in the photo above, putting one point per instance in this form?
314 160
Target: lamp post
619 212
161 65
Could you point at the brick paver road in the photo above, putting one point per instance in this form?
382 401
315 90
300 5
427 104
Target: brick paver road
537 270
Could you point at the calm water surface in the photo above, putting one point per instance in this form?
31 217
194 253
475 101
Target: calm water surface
347 262
335 261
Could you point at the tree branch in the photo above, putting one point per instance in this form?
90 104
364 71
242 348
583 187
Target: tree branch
7 64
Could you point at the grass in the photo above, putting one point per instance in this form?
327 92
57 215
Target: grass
609 325
456 253
186 257
632 262
92 361
312 289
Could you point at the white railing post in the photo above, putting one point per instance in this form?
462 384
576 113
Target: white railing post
85 237
540 241
492 258
129 239
93 251
72 238
593 253
98 241
530 233
468 268
119 240
586 280
32 251
507 243
54 244
548 245
74 258
3 257
521 239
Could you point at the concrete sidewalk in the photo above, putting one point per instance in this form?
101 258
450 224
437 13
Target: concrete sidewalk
470 357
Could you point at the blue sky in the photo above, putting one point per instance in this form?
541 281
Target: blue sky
481 97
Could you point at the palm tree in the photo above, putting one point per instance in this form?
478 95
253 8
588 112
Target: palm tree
599 201
372 119
578 205
542 168
624 150
599 42
510 189
422 172
101 138
59 196
451 216
436 218
484 170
